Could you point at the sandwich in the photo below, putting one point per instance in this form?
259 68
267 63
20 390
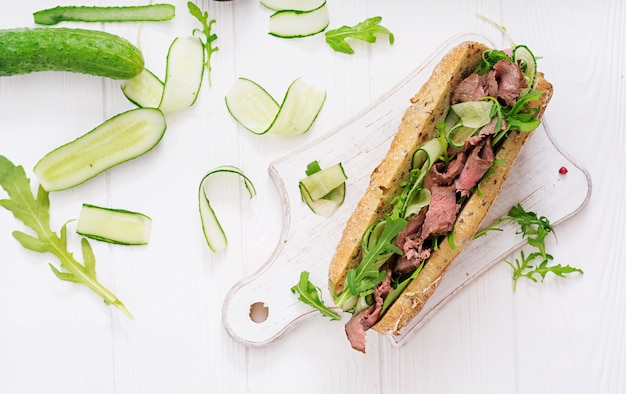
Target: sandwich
428 197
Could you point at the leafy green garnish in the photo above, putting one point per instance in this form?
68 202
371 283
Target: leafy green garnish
362 280
312 168
518 117
410 188
365 31
209 38
451 243
523 268
395 293
534 229
489 59
34 213
312 296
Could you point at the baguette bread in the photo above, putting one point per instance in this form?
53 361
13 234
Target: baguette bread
428 108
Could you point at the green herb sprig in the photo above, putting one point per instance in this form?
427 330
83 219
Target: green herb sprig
209 37
34 213
518 117
362 280
312 296
365 31
534 229
489 59
523 267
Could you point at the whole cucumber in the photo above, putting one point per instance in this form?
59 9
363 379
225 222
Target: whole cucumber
94 52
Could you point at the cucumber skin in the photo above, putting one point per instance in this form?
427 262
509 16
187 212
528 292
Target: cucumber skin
93 52
140 13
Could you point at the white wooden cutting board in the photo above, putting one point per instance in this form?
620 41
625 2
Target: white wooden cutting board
308 241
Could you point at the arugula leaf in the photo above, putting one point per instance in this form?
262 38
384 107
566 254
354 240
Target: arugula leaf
534 229
523 268
362 280
34 213
377 250
395 293
489 59
209 38
312 296
520 117
365 31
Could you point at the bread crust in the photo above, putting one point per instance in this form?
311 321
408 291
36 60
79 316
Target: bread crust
428 108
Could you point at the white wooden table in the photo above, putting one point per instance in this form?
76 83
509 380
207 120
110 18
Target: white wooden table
563 335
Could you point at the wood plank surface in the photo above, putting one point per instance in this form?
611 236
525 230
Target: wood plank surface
560 336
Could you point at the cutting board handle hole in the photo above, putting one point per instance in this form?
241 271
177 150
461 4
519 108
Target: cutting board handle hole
259 312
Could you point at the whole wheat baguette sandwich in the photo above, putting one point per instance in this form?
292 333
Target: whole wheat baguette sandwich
446 165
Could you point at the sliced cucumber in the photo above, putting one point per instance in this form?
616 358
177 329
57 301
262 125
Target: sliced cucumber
148 13
417 199
322 182
459 134
456 132
323 190
184 72
427 154
291 23
213 232
473 114
144 90
117 226
327 205
528 63
251 106
301 5
302 104
117 140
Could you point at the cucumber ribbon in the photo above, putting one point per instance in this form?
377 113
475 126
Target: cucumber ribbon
257 111
213 232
